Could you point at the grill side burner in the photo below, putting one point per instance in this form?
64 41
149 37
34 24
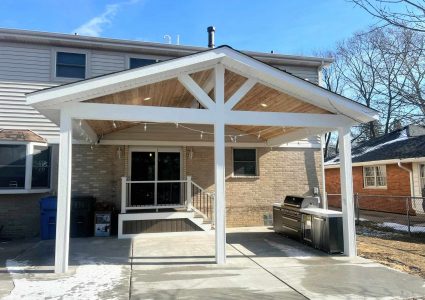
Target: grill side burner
288 216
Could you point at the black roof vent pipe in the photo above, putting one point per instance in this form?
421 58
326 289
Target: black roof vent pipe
211 32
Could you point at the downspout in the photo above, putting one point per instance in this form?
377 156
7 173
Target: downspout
412 187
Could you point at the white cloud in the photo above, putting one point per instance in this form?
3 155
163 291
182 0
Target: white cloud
95 26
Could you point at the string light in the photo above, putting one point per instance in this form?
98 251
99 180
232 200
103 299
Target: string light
232 137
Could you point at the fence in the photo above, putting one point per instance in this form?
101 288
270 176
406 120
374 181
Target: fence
401 214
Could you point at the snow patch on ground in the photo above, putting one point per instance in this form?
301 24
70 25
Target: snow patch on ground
401 227
90 280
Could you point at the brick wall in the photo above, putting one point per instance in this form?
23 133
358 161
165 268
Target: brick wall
398 184
282 172
98 172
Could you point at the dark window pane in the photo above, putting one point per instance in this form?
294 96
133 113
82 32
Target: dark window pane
12 177
12 155
41 167
244 162
70 65
140 62
244 154
70 72
12 166
244 168
65 58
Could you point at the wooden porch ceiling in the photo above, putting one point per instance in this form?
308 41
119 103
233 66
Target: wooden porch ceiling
171 93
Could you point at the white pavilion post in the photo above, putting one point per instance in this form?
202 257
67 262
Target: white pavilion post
64 194
347 202
219 162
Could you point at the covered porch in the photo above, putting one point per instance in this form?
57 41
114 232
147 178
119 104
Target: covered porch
223 97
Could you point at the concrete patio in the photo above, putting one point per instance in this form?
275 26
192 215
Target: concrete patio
260 265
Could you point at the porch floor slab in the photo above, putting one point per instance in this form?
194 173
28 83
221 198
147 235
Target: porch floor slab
260 265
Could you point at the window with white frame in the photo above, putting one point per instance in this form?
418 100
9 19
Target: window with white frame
375 176
24 166
70 65
244 162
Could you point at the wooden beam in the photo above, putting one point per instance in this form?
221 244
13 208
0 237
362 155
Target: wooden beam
207 87
347 201
240 93
257 118
196 91
64 194
296 136
137 113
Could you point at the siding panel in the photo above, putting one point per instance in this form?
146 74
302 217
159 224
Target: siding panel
15 114
104 63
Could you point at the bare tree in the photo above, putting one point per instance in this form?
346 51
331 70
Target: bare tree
408 14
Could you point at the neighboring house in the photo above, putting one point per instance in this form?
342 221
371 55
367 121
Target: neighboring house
257 175
390 165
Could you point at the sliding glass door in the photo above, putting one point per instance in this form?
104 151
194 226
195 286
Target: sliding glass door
156 172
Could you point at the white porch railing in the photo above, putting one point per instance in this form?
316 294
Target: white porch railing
173 194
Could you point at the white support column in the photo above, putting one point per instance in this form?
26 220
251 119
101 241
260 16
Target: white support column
219 161
123 195
347 201
64 194
189 193
322 162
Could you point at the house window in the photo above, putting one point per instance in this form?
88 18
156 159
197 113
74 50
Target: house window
24 167
70 65
375 176
40 167
244 162
140 62
12 166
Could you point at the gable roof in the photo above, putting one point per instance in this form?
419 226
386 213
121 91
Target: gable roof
50 100
408 142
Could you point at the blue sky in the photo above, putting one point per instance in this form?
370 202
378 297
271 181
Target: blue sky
285 26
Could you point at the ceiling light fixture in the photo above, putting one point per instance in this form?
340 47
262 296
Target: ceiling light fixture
147 99
263 104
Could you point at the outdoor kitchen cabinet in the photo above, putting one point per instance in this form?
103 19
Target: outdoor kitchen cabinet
325 232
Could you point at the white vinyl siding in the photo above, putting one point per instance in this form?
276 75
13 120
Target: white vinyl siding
309 73
15 114
24 63
375 176
104 63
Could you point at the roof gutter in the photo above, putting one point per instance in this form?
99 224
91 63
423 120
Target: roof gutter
412 187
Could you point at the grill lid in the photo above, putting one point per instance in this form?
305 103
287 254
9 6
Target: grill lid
293 201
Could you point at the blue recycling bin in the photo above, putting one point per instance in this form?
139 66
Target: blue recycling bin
48 207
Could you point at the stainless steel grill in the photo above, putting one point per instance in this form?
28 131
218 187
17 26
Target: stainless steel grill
287 217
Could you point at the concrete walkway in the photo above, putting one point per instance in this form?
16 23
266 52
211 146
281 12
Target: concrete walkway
261 265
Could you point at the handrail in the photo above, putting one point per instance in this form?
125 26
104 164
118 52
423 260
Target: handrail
156 181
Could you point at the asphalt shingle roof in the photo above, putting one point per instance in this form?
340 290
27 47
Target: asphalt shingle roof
408 142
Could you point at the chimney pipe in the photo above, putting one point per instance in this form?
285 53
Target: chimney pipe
211 31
